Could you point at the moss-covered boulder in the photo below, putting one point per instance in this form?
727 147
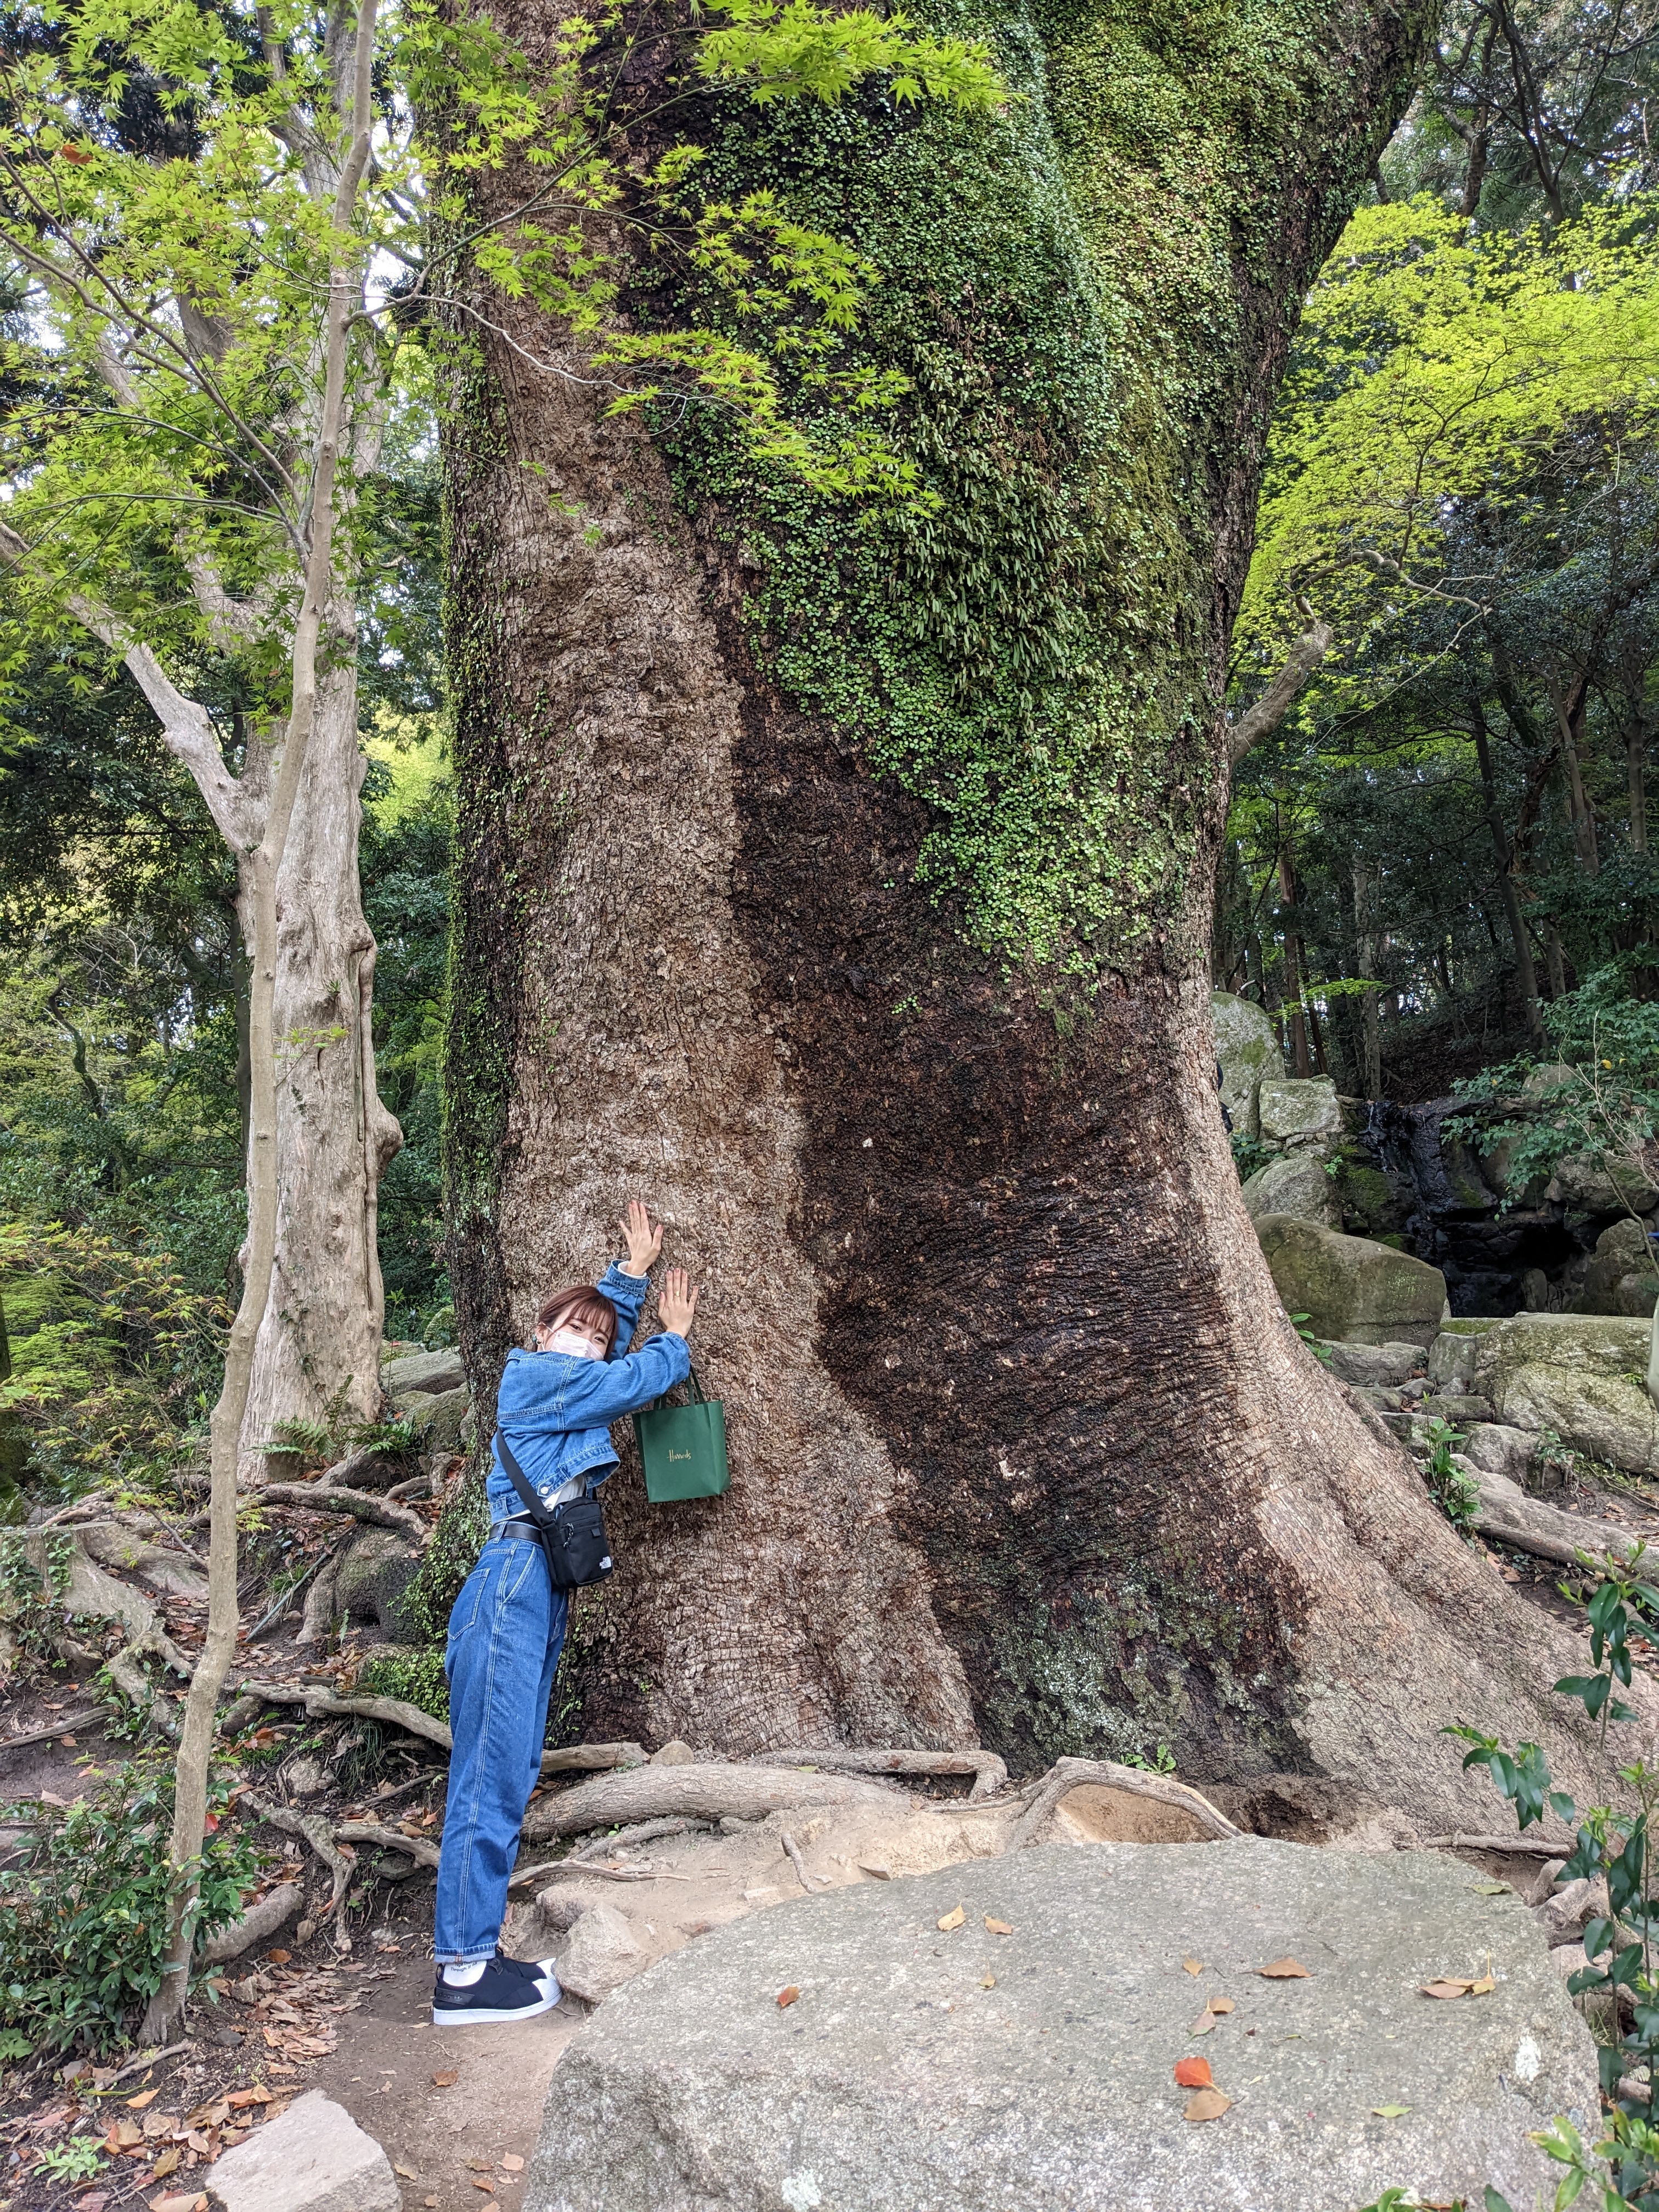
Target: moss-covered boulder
1349 1286
1296 1182
1246 1049
1299 1111
1620 1278
1580 1375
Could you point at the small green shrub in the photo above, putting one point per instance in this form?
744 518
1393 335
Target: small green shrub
77 2160
1458 1498
27 1596
1250 1154
418 1679
83 1926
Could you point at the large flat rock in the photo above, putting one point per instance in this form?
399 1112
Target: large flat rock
314 2159
900 2082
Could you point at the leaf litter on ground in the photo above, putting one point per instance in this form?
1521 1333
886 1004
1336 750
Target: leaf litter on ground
1284 1970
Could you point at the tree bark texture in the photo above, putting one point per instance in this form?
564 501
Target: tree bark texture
842 886
320 1342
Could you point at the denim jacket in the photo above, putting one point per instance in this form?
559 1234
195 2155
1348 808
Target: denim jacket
556 1410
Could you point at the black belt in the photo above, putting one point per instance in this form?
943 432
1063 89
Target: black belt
525 1529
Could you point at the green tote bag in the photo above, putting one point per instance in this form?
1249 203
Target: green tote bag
683 1448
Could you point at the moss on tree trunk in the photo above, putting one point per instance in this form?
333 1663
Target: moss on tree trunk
843 886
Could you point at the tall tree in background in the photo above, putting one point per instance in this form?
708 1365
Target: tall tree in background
171 186
841 878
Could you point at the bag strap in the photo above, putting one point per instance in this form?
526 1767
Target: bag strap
538 1512
698 1398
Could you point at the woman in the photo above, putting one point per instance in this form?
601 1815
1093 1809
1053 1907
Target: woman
554 1409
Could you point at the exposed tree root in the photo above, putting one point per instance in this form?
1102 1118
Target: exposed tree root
989 1773
261 1921
704 1791
1532 1847
397 1713
792 1852
323 1498
392 1840
1066 1773
316 1832
644 1832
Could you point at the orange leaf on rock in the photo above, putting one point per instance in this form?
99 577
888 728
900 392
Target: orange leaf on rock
1193 1965
1194 2074
511 2161
1284 1970
1208 2105
786 1997
447 2079
1205 2022
997 1927
1446 1987
951 1921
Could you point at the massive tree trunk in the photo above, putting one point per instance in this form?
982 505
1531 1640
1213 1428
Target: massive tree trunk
844 888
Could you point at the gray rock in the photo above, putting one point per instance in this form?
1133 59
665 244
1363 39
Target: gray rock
601 1954
372 1578
1384 1366
437 1416
424 1370
1452 1354
1459 1409
675 1753
1621 1251
1581 1375
1582 1185
1496 1449
899 2082
1299 1110
1349 1286
314 2159
1246 1048
1295 1183
1381 1401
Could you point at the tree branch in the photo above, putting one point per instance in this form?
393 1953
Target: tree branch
1261 720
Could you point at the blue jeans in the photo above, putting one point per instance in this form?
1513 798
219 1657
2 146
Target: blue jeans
505 1636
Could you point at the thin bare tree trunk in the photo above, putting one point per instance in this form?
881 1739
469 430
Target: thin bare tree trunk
318 1351
1364 920
262 882
1636 770
1293 977
1526 974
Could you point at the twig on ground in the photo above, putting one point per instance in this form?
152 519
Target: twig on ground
151 2058
1067 1774
66 1727
989 1773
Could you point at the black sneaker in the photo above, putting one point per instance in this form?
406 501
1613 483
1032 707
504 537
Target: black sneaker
533 1970
503 1992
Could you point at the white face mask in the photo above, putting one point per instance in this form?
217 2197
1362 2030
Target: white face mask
577 1343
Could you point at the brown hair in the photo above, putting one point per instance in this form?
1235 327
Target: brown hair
582 1304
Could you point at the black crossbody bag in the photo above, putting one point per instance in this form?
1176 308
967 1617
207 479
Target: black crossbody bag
573 1539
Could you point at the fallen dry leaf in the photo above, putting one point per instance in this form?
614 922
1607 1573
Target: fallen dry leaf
1459 1985
407 2172
279 1958
997 1927
951 1920
482 2181
1484 1987
165 2164
1194 2074
786 1997
1208 2105
447 2079
1204 2023
127 2133
68 1742
512 2162
1390 2112
1221 2004
144 2097
989 1981
1193 1965
1284 1970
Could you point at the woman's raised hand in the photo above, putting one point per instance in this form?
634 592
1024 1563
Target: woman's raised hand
677 1301
644 1238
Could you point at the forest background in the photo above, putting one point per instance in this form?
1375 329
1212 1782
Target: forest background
1441 848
